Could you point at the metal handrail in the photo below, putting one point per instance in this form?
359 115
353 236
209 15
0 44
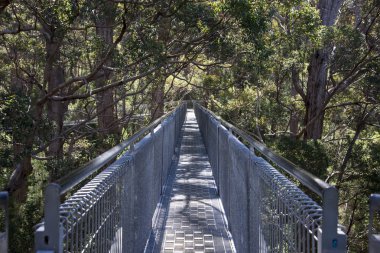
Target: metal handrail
4 199
312 182
68 182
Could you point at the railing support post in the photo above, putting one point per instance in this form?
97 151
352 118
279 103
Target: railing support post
374 239
330 237
217 176
163 159
4 198
49 237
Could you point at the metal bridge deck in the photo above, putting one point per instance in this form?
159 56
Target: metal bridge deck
190 217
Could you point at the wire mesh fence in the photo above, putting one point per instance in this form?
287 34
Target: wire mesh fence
266 211
113 212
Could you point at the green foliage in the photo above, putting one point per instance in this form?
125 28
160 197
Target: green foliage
274 43
24 216
306 25
309 155
253 17
6 163
245 59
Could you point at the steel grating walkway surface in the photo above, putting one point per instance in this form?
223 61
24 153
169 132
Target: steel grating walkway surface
190 217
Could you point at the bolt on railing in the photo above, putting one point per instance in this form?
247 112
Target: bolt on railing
109 213
4 231
373 234
320 232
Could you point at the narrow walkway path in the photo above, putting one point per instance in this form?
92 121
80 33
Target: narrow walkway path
191 217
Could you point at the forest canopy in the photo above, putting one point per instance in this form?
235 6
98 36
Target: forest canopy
77 77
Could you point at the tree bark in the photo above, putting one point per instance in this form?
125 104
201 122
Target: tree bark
105 31
22 138
54 75
316 94
317 80
22 167
359 128
158 91
294 117
158 105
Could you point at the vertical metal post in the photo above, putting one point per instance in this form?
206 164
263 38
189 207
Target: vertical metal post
163 158
205 137
49 237
217 176
252 149
175 128
4 198
330 237
374 239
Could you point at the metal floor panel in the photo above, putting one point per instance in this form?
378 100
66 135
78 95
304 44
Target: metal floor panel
190 216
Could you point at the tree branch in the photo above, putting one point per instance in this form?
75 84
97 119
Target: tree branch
4 4
91 76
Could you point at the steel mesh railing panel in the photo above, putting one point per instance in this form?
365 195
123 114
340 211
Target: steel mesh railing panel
91 217
145 196
171 137
177 125
239 194
159 159
165 151
169 142
266 211
224 165
113 212
288 219
212 152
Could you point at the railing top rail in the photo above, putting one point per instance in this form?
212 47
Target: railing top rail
74 178
312 182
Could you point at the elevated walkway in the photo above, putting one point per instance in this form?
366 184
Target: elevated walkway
176 184
190 217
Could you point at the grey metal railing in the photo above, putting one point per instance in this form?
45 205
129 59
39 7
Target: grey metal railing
266 211
113 212
4 231
373 234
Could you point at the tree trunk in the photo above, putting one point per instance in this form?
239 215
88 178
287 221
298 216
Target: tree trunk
294 117
157 109
22 167
359 128
158 92
22 138
54 74
317 79
107 119
316 94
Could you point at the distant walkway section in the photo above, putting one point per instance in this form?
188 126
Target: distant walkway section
190 217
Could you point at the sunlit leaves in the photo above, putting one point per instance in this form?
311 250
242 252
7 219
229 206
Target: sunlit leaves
305 24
